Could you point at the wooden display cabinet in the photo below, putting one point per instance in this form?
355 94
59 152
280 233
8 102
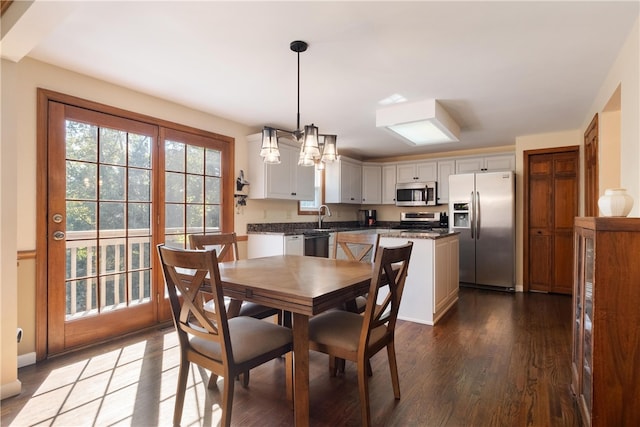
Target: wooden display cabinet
605 360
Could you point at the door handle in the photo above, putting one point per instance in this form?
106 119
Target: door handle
478 224
58 235
472 216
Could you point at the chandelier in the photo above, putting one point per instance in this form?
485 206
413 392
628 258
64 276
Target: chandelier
313 149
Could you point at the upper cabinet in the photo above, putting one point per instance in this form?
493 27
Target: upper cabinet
389 184
343 181
417 172
445 168
285 180
371 184
498 162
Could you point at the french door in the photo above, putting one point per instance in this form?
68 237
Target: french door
116 187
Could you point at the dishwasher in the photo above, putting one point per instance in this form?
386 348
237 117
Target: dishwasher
316 243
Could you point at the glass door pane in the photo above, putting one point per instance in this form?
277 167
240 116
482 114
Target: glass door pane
193 191
108 219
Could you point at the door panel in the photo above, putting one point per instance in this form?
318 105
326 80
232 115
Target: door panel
99 227
552 205
591 178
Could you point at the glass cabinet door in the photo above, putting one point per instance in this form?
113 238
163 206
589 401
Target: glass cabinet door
576 356
587 352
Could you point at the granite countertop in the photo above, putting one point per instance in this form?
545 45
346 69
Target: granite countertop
295 228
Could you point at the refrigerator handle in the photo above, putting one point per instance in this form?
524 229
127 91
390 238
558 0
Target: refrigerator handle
477 211
472 216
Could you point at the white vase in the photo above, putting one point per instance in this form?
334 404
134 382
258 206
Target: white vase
615 202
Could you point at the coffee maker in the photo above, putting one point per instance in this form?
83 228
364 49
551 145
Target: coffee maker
367 217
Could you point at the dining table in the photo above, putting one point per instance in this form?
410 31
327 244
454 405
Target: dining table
303 286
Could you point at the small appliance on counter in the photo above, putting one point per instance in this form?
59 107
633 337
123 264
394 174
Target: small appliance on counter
367 217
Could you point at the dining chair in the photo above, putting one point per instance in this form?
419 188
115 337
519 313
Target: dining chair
356 337
226 347
227 246
357 247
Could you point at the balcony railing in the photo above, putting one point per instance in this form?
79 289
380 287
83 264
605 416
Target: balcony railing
113 271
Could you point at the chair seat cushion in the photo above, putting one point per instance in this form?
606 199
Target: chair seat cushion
250 338
342 329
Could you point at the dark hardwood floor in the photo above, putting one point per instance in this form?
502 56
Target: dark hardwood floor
496 359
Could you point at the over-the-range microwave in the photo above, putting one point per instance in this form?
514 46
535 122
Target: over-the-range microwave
417 194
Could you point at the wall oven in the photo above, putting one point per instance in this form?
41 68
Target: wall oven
416 194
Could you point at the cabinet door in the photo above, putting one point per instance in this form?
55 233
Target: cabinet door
406 172
371 184
427 171
442 269
260 245
351 182
445 168
503 162
279 176
389 184
474 164
294 245
303 182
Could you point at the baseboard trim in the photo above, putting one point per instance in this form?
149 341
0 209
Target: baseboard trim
26 359
10 389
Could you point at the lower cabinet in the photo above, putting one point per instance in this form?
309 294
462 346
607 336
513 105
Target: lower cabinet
260 245
432 284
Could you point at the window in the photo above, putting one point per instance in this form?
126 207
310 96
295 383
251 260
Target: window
310 207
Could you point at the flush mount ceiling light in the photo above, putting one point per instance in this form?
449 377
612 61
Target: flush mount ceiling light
313 151
419 123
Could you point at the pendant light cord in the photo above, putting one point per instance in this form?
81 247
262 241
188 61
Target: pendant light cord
298 118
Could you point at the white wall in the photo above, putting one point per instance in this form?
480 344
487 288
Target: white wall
10 385
626 73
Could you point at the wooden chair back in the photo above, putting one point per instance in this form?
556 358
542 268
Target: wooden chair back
226 244
390 273
362 243
188 312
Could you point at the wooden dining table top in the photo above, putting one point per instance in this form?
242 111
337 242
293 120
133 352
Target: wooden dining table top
299 284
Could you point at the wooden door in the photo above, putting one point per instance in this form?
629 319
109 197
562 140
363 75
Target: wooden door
111 185
99 228
551 204
591 189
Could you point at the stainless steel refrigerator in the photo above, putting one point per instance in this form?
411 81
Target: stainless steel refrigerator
482 209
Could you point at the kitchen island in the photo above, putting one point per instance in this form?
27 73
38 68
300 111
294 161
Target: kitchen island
432 284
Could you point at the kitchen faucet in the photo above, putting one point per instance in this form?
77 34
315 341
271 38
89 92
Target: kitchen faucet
320 216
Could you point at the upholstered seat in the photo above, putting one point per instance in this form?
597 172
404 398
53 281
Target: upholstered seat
226 347
350 336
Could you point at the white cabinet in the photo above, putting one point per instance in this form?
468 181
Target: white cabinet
261 245
343 181
446 275
417 172
498 162
285 180
294 245
371 184
445 168
432 282
389 184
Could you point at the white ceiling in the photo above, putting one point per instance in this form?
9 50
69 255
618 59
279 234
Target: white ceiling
501 69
